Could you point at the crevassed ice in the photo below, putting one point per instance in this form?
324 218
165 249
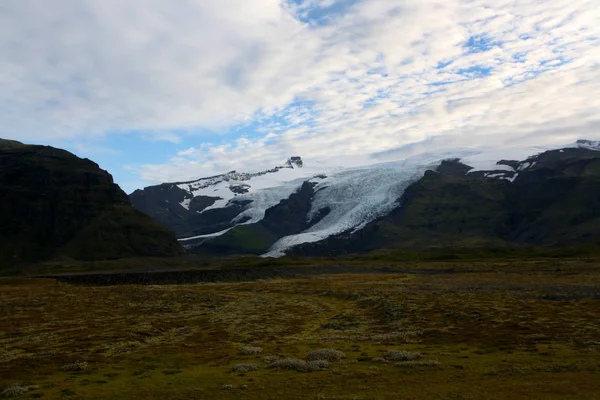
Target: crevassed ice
355 197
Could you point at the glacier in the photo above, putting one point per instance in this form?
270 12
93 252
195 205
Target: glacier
354 196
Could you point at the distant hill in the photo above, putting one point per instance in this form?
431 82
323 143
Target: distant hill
431 200
53 203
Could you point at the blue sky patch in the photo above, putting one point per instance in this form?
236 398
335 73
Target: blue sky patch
315 15
478 71
479 44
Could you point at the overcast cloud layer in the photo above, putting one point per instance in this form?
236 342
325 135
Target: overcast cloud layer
237 83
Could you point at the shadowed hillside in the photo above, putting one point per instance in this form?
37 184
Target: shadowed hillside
53 203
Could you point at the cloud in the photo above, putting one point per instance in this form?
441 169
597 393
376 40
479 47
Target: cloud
316 78
186 152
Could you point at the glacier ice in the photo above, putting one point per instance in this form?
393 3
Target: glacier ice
355 196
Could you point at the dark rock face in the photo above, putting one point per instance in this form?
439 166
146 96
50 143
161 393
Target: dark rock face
199 203
219 219
161 202
294 162
239 189
289 216
452 167
54 203
557 199
589 144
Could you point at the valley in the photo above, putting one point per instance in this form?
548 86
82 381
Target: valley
435 277
478 329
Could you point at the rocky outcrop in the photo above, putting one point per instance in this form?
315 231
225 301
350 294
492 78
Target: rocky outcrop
53 203
294 162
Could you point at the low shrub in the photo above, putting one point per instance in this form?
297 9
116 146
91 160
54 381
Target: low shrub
269 358
14 390
401 355
294 364
404 337
17 390
244 368
326 354
420 363
250 350
76 366
319 364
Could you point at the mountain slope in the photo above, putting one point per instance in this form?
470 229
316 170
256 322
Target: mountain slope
53 203
214 204
459 196
549 199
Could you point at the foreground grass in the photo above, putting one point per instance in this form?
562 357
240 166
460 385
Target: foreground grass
485 331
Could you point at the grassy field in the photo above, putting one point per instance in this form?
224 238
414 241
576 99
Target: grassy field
463 330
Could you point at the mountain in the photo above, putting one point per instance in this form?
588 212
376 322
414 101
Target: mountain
549 199
53 203
462 197
217 203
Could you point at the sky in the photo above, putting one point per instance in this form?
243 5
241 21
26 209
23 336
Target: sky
157 91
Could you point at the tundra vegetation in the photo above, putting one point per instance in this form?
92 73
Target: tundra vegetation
471 329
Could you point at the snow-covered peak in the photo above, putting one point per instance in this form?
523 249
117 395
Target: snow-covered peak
236 185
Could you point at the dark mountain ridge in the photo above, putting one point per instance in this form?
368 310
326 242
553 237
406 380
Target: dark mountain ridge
53 203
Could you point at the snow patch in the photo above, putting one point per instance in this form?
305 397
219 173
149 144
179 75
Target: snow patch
210 235
186 203
511 179
523 166
263 188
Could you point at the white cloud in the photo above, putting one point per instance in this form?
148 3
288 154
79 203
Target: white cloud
186 152
364 81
